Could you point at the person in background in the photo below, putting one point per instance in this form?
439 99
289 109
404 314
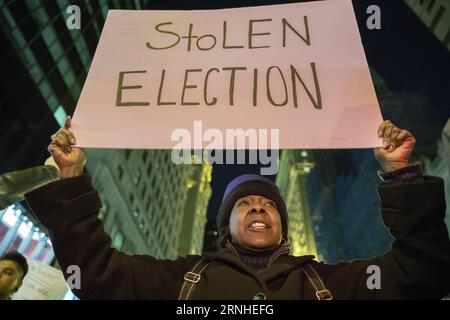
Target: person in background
13 269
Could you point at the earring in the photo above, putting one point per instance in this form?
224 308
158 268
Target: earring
285 242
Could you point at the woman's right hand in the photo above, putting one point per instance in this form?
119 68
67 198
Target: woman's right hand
69 159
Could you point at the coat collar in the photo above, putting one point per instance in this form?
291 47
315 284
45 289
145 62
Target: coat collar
282 265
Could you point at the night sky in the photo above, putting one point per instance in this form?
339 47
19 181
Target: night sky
404 52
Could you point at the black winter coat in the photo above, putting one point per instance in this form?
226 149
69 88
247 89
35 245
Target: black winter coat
417 266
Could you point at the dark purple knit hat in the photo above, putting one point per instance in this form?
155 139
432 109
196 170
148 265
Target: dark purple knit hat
245 185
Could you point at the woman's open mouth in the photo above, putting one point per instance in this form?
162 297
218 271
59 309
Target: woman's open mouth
258 226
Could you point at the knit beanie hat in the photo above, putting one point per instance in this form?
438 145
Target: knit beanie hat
245 185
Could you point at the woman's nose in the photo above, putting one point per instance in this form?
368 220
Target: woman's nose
258 208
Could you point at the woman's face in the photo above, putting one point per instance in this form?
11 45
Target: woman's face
255 223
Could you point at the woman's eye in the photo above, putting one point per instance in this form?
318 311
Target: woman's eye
244 202
271 204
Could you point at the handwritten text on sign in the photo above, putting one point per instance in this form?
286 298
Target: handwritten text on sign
299 68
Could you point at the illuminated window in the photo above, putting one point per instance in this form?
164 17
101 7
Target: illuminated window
104 7
36 235
60 115
52 101
103 211
49 37
25 229
118 240
8 17
11 216
137 4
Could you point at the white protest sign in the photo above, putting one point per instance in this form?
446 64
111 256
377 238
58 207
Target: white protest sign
42 282
299 68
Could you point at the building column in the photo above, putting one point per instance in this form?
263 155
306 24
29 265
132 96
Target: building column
26 242
39 247
49 256
10 235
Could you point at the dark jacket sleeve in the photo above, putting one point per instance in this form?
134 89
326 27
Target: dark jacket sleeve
418 264
69 208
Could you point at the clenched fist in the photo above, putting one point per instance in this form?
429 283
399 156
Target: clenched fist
397 146
69 159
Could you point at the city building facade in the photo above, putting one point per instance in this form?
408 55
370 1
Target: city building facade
291 180
435 14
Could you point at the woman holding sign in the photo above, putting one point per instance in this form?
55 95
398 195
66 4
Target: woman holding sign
254 261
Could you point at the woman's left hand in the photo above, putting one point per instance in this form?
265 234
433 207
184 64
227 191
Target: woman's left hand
397 146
